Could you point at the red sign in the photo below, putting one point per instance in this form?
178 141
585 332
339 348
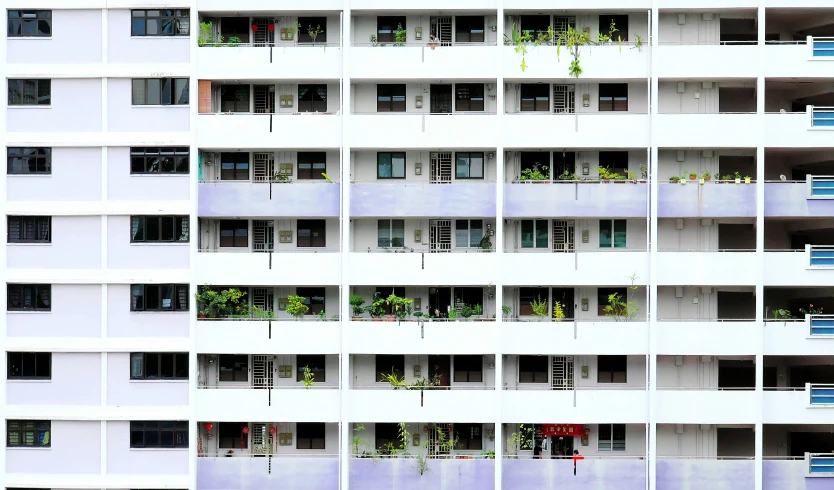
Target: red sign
569 430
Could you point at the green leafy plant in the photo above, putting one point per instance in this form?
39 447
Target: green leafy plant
322 315
536 173
638 42
467 311
539 307
810 310
313 32
522 438
356 304
309 377
216 304
296 306
206 34
398 305
377 306
558 311
262 314
706 175
623 309
453 314
400 36
506 310
784 314
674 179
644 172
233 41
479 310
357 441
568 176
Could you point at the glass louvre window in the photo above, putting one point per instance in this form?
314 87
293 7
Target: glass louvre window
29 229
390 166
534 233
469 165
532 369
469 232
390 233
535 97
390 98
612 233
312 165
612 437
469 97
29 297
28 433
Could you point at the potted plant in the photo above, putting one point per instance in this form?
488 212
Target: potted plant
738 178
644 173
683 179
558 312
747 179
539 307
466 312
479 311
313 32
506 310
356 305
296 306
568 176
631 177
604 175
692 175
536 174
399 306
706 176
453 314
221 304
674 179
377 307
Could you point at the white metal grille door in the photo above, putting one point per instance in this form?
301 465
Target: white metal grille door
440 235
562 373
262 298
442 28
262 375
441 168
435 443
263 36
264 99
563 235
260 441
264 166
263 236
561 24
563 99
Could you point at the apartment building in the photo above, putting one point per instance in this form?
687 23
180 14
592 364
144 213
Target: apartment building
347 244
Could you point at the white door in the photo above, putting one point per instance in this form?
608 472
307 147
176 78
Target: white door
441 168
440 235
562 373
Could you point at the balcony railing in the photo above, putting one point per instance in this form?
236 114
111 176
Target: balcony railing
821 463
822 117
821 394
821 255
823 46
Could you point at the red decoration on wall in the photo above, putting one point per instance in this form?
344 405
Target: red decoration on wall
569 430
271 27
254 27
245 430
209 426
272 430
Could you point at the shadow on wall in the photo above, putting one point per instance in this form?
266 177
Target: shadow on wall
403 474
591 474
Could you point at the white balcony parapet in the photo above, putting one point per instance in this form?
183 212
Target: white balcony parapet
704 405
707 337
269 268
579 268
423 337
268 336
385 61
580 405
284 403
304 130
576 337
248 61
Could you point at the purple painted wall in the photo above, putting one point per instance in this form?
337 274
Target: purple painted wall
121 390
125 49
70 97
76 312
422 200
591 474
79 234
253 200
710 200
75 450
76 176
402 474
791 200
620 200
121 254
122 115
121 459
791 475
290 473
76 38
64 387
686 474
121 322
122 186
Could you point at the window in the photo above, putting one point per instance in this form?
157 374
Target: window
312 98
386 28
234 233
469 436
159 22
314 299
234 98
230 435
469 369
532 369
160 91
311 233
36 91
29 365
390 233
157 229
311 165
28 433
155 365
468 232
390 165
469 165
534 233
469 96
30 23
612 369
613 96
234 367
316 365
620 23
612 437
535 24
526 298
535 97
159 297
29 229
385 434
469 29
387 364
612 233
614 161
234 166
603 295
309 435
158 433
312 23
166 160
390 98
23 161
29 297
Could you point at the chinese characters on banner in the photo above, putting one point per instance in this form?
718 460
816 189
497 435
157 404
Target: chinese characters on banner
546 430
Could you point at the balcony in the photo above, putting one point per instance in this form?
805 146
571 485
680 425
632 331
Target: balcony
585 405
598 62
813 198
731 130
461 267
707 268
713 60
781 474
268 268
706 473
458 200
622 473
578 337
375 474
268 199
708 200
576 199
706 406
707 337
296 471
413 337
250 62
456 405
807 129
807 267
303 130
575 269
268 337
423 131
528 130
288 404
383 61
793 406
799 59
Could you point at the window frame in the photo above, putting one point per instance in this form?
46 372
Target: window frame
313 433
612 225
531 365
608 369
304 37
41 431
317 160
390 434
311 239
239 95
174 16
180 222
160 157
467 157
390 97
18 157
22 21
469 232
475 439
26 224
236 364
176 298
36 359
178 433
177 87
471 27
145 359
471 368
36 294
225 441
536 233
311 103
34 97
235 226
611 444
386 35
530 93
613 97
392 155
317 364
620 23
397 366
381 225
241 166
469 97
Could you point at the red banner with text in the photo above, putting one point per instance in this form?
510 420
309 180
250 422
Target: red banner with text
570 430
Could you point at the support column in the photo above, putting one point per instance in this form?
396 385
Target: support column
651 429
344 231
499 251
193 246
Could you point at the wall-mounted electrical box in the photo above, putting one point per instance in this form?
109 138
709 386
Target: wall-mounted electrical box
681 87
285 439
418 101
681 19
286 100
285 236
285 371
584 304
584 372
418 236
418 168
681 155
679 224
678 292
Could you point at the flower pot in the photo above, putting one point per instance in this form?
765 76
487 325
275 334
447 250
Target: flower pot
391 318
693 177
376 319
738 181
707 179
201 316
747 180
356 318
701 181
